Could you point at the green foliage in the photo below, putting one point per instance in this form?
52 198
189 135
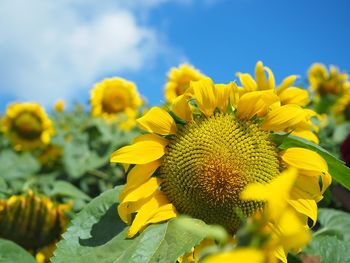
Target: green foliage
97 234
10 252
17 166
336 167
332 241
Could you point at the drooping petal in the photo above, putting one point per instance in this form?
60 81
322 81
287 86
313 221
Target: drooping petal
142 151
255 103
204 95
310 186
294 96
302 203
181 108
157 120
137 195
283 117
293 234
165 212
306 161
306 134
147 211
138 175
247 81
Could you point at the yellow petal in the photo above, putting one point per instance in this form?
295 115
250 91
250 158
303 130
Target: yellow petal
310 186
292 233
302 203
158 121
283 117
147 211
181 108
139 194
163 213
308 162
204 95
139 174
276 192
251 255
294 96
255 103
306 134
280 254
260 76
286 83
142 151
271 78
247 81
223 93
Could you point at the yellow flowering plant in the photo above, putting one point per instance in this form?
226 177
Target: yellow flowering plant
221 154
219 173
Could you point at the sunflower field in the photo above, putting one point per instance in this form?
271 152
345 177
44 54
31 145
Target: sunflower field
246 171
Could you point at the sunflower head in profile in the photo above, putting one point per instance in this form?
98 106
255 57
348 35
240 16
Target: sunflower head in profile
198 157
178 80
341 107
33 221
27 126
324 82
115 98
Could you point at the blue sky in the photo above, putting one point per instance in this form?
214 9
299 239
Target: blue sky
45 59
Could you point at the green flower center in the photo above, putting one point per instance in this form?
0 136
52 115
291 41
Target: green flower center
209 162
27 125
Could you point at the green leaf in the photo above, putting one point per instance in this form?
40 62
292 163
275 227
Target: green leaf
334 222
98 235
10 252
332 241
15 166
330 249
65 189
339 171
78 159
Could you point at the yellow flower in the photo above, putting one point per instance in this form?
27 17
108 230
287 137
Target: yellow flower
27 126
50 154
179 80
59 106
115 98
342 107
332 82
286 92
199 166
21 216
288 230
251 255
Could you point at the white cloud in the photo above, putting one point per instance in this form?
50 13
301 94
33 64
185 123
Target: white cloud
52 49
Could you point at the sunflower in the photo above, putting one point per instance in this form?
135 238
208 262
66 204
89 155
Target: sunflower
332 82
342 107
286 92
35 222
27 126
197 159
50 154
59 106
114 99
265 80
179 80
